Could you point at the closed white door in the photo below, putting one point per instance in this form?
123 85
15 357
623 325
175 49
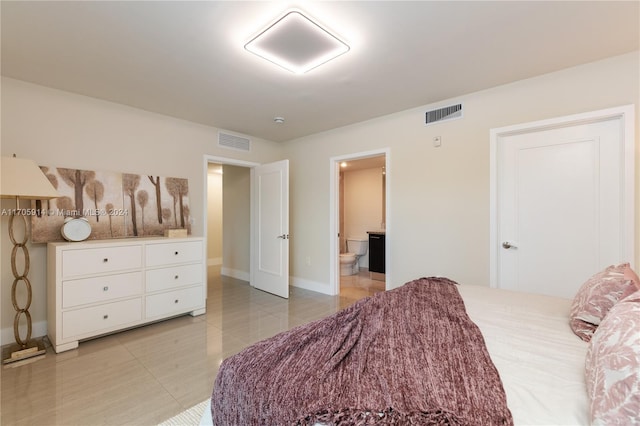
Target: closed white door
562 192
270 245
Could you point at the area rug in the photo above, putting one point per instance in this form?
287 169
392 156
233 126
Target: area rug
190 416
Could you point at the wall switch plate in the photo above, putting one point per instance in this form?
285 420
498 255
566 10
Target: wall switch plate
437 141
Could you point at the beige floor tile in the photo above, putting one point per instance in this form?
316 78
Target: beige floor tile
149 374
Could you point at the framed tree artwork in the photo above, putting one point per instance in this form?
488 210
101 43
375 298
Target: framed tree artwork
116 205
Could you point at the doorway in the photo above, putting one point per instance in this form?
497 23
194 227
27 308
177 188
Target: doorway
359 204
227 189
562 201
255 223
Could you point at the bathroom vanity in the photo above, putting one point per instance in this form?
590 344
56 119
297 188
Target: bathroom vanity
377 255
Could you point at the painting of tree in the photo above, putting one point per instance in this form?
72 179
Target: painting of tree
166 214
95 192
163 205
143 199
65 206
187 214
115 204
109 208
155 181
178 189
77 179
83 193
129 185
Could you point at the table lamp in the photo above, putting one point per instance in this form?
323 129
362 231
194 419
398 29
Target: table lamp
22 179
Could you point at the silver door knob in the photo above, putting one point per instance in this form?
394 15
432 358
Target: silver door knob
508 245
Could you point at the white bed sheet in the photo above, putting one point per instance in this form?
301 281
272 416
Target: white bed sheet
540 360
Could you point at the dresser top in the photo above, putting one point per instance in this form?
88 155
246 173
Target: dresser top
123 241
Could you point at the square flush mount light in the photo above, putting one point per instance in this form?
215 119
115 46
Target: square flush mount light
296 43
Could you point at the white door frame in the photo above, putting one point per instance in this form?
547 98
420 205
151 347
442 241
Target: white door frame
224 161
627 115
334 214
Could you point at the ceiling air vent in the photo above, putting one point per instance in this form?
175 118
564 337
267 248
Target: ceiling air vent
234 142
452 112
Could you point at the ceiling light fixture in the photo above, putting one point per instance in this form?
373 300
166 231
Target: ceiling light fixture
296 43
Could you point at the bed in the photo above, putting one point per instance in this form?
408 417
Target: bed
540 359
534 349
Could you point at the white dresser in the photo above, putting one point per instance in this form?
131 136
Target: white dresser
98 287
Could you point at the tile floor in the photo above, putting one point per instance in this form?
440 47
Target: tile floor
149 374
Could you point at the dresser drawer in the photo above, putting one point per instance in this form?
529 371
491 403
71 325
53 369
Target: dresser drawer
177 276
174 302
173 252
100 289
100 260
101 319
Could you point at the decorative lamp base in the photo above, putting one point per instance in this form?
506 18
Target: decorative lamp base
14 353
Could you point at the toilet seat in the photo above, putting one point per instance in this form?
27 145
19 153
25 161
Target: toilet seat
347 257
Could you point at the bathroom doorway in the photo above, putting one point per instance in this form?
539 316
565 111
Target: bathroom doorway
359 191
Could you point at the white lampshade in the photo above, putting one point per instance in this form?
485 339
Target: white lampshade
23 178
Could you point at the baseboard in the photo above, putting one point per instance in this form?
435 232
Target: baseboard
39 329
234 273
316 286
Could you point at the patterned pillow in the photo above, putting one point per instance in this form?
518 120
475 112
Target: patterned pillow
612 365
596 297
630 274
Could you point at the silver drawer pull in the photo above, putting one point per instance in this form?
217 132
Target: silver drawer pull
105 316
105 288
105 260
175 301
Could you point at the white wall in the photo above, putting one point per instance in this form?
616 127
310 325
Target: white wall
214 215
236 188
63 129
438 221
362 205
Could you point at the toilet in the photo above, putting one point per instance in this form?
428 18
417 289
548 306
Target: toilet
356 248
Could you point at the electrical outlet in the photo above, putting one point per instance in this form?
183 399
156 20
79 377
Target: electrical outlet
308 260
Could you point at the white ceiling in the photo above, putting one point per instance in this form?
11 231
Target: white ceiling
186 59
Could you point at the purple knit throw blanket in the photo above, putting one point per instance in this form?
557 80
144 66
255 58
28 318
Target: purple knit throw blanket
408 356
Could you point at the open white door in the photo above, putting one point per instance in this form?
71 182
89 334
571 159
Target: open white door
270 228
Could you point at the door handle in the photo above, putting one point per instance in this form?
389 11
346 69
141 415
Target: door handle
284 236
507 245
